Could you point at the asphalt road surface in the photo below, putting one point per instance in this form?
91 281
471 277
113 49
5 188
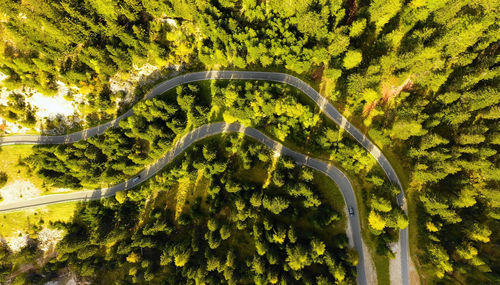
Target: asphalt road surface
329 110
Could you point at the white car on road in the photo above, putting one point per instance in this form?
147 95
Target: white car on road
351 211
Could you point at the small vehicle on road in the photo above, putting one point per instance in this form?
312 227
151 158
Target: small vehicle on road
136 178
351 211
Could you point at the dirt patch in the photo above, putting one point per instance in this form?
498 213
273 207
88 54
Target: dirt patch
414 278
17 242
318 73
65 104
48 238
368 108
19 190
393 91
46 108
353 8
3 76
395 264
371 273
51 106
137 76
12 128
170 21
388 92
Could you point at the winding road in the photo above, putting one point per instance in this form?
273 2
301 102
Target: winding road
216 128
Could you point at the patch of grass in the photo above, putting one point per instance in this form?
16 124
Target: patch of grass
256 174
23 221
9 159
10 163
191 191
185 184
413 236
382 267
332 195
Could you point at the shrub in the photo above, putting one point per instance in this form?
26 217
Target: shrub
3 180
352 59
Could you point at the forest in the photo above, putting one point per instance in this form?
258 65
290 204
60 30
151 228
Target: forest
273 108
419 77
212 218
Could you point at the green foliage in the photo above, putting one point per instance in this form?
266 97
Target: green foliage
440 259
275 204
219 238
3 179
470 139
376 221
403 129
18 110
357 28
297 257
442 123
121 197
352 59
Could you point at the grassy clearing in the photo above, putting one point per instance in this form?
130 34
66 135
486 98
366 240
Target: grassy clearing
23 221
9 161
382 267
331 193
413 236
256 174
10 157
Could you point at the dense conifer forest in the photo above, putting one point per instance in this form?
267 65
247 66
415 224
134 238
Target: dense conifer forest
419 77
157 124
211 218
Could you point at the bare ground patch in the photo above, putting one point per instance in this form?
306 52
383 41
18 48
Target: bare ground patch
19 190
371 273
389 92
395 264
414 278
